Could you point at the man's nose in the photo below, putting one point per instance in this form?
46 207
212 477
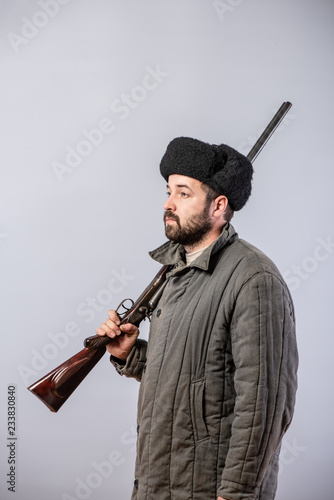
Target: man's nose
170 205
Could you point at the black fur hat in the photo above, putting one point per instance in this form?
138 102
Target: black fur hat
220 167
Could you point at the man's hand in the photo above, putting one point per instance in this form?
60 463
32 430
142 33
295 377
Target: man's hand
124 336
221 498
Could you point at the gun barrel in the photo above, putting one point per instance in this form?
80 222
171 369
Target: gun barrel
268 131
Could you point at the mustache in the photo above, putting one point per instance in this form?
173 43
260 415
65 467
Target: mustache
170 215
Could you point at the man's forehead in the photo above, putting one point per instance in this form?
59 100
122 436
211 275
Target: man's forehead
178 181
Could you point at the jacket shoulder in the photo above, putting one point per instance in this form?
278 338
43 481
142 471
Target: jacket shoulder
250 262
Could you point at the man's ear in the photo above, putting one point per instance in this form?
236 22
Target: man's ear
219 207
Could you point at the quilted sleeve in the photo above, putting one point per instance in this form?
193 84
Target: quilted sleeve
135 362
265 356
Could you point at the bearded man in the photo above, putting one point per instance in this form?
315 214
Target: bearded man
218 373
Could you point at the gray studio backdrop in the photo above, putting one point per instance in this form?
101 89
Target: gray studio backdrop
91 93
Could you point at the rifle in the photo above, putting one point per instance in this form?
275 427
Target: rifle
57 386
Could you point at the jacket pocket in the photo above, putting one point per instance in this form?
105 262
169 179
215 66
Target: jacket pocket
197 408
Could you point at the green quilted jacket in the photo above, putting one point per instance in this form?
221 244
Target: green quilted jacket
218 376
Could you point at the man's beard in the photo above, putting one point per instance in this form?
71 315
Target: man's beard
191 232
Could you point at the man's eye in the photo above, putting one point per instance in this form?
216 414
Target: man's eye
184 195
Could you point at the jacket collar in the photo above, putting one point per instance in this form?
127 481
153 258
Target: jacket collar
171 253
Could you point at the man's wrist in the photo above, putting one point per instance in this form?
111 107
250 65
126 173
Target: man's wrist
119 361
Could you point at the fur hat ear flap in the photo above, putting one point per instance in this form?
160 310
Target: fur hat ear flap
219 166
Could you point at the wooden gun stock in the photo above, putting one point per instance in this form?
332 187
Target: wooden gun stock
57 386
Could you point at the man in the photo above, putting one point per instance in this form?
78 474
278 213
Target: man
218 374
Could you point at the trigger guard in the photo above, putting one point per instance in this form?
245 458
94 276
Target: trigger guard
126 309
